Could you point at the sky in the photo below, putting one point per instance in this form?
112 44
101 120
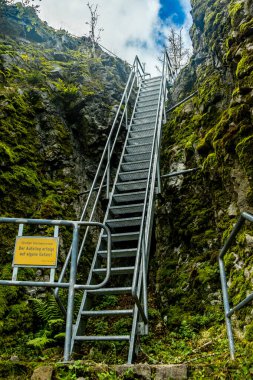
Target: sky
130 27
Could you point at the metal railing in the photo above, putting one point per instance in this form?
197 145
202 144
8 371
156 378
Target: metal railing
104 177
228 311
71 284
140 271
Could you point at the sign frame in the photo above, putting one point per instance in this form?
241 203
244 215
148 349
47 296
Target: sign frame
53 265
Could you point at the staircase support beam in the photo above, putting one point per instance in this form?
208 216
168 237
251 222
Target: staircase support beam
71 295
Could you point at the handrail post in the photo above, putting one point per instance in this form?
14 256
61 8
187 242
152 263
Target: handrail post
158 171
108 170
72 282
126 105
144 279
227 309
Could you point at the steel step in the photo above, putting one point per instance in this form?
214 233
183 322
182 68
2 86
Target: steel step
149 90
150 84
144 120
138 134
153 94
104 313
136 157
127 209
102 337
154 85
141 148
122 290
119 253
128 197
126 236
147 102
124 222
142 126
146 107
140 140
153 79
148 95
133 175
152 110
144 114
142 99
131 185
114 271
137 165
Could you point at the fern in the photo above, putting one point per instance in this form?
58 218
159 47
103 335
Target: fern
47 310
40 342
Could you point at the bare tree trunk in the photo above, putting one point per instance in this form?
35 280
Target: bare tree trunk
94 34
179 56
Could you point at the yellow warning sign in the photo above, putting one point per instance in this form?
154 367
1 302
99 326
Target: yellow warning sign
36 251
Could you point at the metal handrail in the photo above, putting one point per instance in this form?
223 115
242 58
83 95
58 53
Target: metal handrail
136 73
141 260
71 285
66 223
229 312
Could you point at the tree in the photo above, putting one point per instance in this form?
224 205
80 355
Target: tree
179 55
94 32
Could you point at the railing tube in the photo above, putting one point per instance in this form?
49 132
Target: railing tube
108 170
106 146
232 236
145 287
72 281
126 113
107 149
150 176
226 308
228 312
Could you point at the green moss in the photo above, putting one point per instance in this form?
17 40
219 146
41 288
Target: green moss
209 20
244 151
7 155
245 65
210 162
207 273
235 7
246 27
210 91
249 332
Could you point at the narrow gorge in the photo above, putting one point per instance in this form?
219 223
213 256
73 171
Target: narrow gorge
58 103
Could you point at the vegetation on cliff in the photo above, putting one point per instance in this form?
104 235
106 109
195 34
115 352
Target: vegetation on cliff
195 214
57 102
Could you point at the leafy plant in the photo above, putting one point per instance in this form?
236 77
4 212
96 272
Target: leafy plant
107 376
47 310
41 341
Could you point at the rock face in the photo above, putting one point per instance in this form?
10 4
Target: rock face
57 104
212 131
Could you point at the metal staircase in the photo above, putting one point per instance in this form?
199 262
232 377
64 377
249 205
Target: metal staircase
129 214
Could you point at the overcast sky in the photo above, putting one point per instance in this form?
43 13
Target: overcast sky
130 26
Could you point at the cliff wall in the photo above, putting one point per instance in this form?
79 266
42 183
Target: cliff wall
57 107
195 213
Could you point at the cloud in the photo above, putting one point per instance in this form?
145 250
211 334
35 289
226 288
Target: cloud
130 26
